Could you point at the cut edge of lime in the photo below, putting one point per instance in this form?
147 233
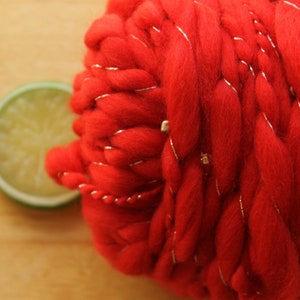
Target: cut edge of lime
34 85
35 201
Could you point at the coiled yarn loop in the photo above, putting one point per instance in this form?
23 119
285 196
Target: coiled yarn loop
188 157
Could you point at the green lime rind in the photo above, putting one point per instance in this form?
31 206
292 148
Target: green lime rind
57 85
72 199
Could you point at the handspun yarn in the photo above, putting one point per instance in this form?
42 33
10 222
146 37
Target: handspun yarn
188 157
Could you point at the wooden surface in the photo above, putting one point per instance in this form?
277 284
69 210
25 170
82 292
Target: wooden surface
49 255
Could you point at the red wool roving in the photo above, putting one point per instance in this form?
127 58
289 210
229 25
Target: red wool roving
188 156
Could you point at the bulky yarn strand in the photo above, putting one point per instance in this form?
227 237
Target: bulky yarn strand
188 157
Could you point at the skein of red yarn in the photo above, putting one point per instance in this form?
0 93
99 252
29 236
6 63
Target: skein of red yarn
188 157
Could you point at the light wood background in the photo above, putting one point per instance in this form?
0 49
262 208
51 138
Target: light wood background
49 255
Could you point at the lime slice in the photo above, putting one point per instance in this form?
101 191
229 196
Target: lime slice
34 119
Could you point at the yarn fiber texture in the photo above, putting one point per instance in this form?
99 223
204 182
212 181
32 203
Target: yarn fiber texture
188 150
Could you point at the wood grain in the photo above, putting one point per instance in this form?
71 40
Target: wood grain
49 254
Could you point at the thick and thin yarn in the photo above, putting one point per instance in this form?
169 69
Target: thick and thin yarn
188 156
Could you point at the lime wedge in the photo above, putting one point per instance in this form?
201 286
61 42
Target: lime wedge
33 119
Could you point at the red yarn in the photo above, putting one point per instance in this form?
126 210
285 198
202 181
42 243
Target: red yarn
210 204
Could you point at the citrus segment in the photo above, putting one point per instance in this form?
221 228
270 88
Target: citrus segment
34 119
